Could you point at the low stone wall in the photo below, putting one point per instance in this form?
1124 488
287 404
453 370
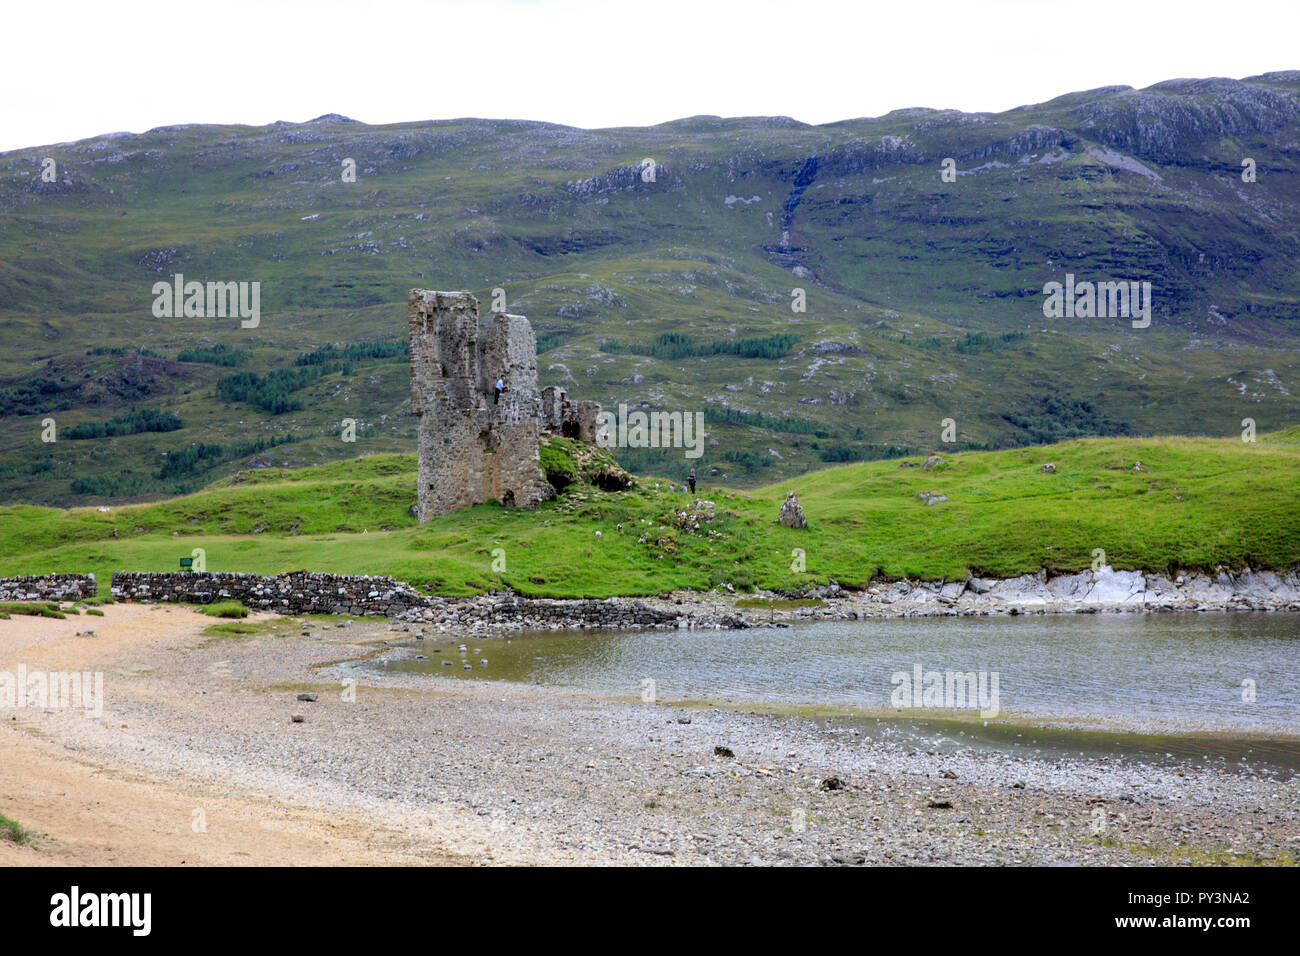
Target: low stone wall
297 592
48 587
303 592
502 611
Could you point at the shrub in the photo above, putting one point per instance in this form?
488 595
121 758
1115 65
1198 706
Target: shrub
14 831
328 354
145 420
270 392
678 345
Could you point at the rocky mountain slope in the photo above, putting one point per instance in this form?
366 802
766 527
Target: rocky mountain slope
822 293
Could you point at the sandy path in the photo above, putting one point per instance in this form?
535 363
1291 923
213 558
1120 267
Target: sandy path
93 810
88 814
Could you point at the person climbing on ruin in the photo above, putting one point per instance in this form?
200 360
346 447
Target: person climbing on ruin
690 479
501 387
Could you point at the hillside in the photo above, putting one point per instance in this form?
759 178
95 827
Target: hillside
923 297
1149 504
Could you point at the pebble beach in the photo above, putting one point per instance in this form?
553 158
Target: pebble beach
405 769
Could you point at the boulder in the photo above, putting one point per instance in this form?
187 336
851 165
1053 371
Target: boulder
1104 586
951 591
1026 589
1162 592
1116 587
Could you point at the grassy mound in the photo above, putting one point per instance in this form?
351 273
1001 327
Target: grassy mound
224 609
556 459
33 608
566 462
1149 504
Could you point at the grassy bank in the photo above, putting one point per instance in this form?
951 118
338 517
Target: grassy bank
1188 503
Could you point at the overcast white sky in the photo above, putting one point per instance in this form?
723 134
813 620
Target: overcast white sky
74 69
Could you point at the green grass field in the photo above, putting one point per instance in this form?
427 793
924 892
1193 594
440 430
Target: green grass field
1193 503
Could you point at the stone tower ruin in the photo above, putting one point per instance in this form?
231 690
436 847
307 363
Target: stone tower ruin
471 448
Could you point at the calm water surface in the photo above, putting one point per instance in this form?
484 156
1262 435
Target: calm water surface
1190 669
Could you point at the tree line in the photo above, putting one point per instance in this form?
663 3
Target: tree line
145 420
679 345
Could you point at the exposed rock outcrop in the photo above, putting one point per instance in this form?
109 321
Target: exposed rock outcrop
1103 590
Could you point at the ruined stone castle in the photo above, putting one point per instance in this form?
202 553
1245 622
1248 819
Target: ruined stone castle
473 446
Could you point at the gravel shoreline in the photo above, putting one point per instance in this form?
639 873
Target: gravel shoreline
529 774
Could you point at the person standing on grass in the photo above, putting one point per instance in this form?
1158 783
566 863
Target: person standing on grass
691 480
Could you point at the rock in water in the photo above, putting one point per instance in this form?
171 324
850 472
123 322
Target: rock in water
792 515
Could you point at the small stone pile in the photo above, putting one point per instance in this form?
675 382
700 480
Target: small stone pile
507 611
690 518
792 515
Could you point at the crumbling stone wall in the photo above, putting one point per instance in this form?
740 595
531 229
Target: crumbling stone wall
588 416
553 402
306 592
557 408
473 449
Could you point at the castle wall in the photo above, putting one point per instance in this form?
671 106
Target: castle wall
472 449
556 408
553 402
588 416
